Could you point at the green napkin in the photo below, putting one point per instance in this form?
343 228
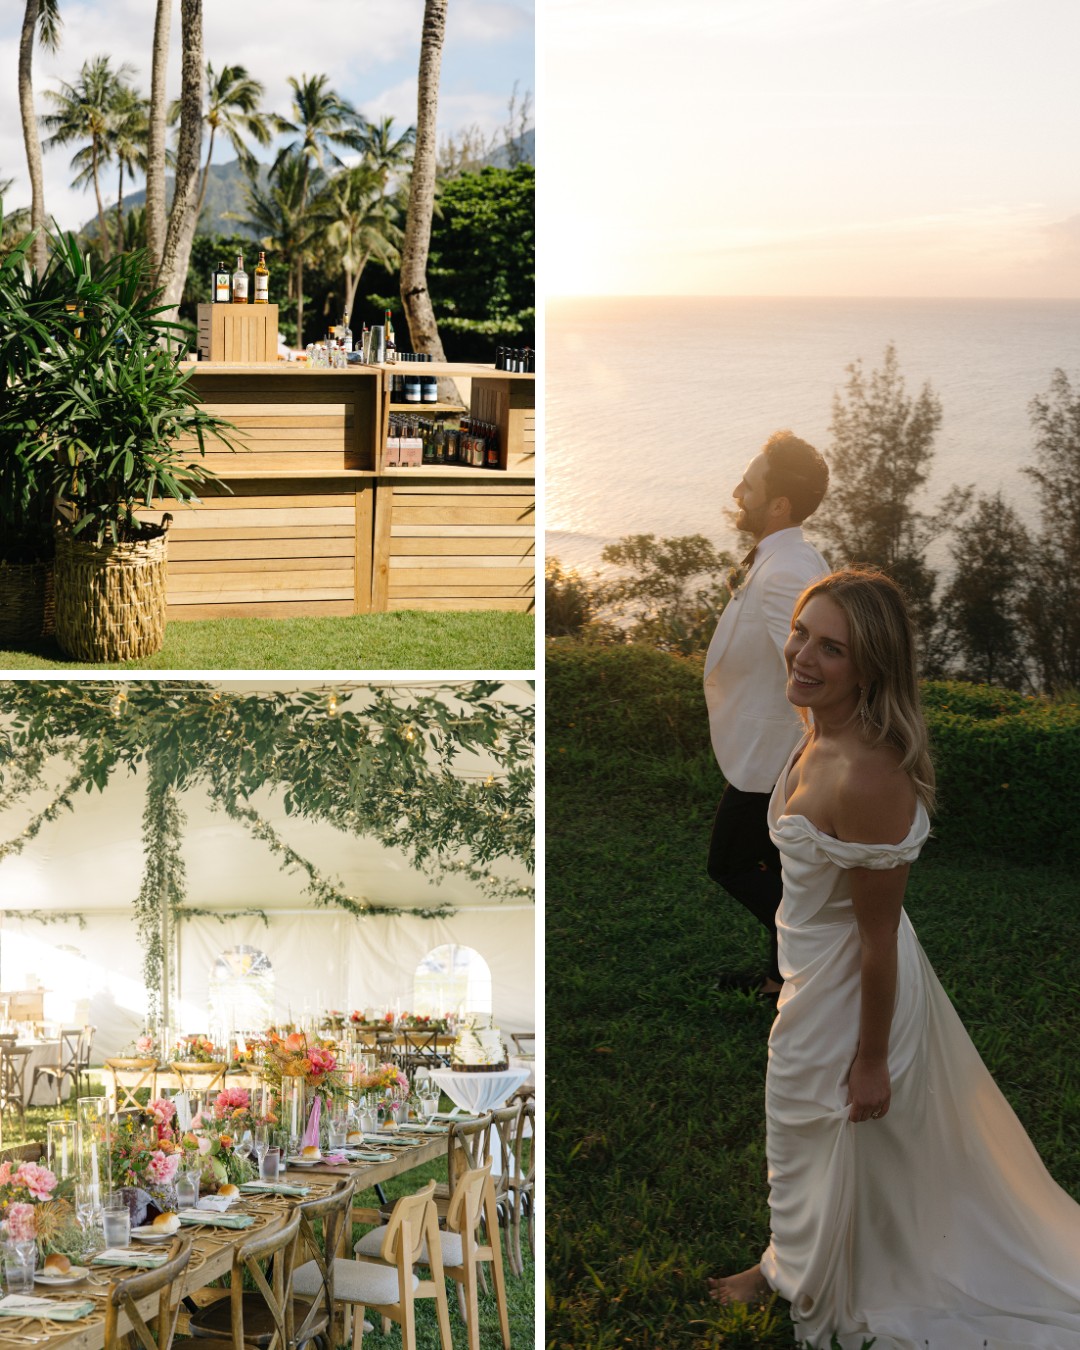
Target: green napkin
201 1216
120 1256
27 1305
426 1129
272 1188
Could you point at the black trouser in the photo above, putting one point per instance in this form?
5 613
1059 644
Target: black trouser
745 861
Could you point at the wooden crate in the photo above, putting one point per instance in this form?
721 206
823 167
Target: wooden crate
511 405
244 333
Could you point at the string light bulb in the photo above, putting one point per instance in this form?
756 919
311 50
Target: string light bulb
332 705
119 702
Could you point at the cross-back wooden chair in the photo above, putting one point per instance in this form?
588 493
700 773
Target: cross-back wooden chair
125 1294
127 1076
82 1064
13 1061
67 1058
524 1042
419 1049
522 1187
275 1245
196 1076
499 1145
385 1282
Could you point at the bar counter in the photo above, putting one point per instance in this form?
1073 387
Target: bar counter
307 517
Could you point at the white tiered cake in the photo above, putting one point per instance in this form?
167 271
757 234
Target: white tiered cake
479 1048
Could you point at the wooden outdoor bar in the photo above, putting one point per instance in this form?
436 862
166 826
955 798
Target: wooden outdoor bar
310 518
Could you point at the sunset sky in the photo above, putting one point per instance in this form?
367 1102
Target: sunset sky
369 49
810 147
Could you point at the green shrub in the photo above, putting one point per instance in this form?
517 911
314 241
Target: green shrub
634 719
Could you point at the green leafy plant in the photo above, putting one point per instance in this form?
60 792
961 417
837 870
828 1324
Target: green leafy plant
95 401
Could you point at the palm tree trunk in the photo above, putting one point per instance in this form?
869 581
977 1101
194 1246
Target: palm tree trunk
39 256
120 210
415 297
182 217
205 178
103 229
155 149
300 301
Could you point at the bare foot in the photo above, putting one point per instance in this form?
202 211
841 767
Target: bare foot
749 1286
770 986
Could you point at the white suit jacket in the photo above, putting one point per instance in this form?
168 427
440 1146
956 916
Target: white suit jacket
753 726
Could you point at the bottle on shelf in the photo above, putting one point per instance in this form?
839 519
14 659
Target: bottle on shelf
222 290
239 282
346 335
391 346
262 281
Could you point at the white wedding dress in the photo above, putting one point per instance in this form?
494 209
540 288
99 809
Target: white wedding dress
937 1225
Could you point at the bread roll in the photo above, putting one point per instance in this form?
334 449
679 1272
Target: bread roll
228 1189
354 1137
56 1264
166 1223
310 1151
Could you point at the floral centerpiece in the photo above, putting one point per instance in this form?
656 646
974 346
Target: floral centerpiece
383 1078
312 1061
146 1153
30 1203
196 1050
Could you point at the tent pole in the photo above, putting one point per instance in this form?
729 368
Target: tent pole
166 955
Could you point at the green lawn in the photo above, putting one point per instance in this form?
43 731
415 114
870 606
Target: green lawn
655 1071
402 640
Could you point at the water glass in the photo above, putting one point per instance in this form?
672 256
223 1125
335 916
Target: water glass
187 1188
429 1105
269 1164
336 1132
20 1259
116 1222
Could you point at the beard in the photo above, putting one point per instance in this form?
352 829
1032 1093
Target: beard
751 520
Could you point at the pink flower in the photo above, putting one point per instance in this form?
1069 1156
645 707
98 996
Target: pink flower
162 1166
162 1110
5 1173
231 1099
145 1045
205 1143
39 1181
21 1224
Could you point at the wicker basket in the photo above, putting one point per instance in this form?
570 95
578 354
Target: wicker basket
26 603
110 598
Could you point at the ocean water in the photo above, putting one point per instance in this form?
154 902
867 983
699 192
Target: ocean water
654 406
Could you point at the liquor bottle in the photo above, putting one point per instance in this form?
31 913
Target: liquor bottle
222 291
346 335
239 282
262 281
391 347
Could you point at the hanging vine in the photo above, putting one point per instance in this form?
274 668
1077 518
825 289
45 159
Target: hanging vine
164 877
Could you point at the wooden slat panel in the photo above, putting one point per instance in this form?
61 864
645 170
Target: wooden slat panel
457 592
416 501
465 515
464 576
277 460
380 557
257 595
365 527
463 531
209 550
181 567
274 407
277 515
492 486
274 609
520 548
285 578
525 603
266 532
400 561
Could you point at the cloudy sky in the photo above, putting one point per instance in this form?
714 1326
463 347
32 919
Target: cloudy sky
368 48
811 147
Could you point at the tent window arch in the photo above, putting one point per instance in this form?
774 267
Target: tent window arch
452 979
242 990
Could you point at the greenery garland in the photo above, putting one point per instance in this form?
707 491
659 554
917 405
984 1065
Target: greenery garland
395 769
45 916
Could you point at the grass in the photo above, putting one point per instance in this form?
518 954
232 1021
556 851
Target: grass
520 1289
401 640
655 1075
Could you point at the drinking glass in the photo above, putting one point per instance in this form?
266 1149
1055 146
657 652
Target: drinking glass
244 1146
187 1188
270 1164
261 1144
86 1203
428 1107
336 1131
116 1222
20 1258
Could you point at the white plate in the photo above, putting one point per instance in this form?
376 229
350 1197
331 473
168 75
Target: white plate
74 1275
148 1234
303 1162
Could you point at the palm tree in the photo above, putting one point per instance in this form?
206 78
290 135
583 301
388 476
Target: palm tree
364 225
183 218
232 108
324 120
288 223
127 143
42 17
155 146
13 224
415 296
83 113
385 152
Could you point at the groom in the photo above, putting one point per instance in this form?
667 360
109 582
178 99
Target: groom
753 726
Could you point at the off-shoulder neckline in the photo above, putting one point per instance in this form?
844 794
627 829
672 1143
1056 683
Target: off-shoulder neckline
824 834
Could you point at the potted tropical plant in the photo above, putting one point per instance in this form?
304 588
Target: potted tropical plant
106 410
26 533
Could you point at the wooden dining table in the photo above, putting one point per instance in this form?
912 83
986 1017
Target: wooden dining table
211 1253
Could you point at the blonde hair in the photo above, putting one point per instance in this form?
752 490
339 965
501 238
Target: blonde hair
883 651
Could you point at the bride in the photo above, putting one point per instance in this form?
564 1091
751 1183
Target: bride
907 1203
